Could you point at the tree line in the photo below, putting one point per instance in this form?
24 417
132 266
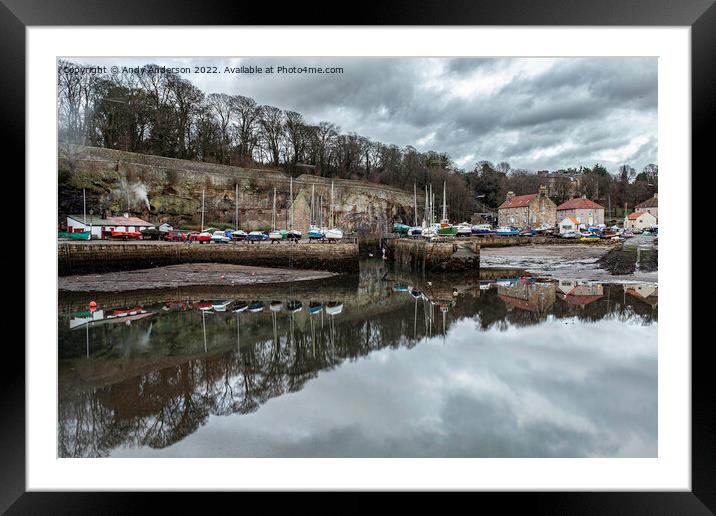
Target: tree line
166 115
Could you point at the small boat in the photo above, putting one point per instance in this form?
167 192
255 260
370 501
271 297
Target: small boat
315 308
528 232
256 306
482 229
334 308
333 234
293 234
415 232
315 233
204 306
220 306
485 285
276 306
219 237
429 232
257 236
240 307
125 234
294 306
416 293
446 229
590 238
81 235
463 229
400 287
401 228
276 235
238 235
506 231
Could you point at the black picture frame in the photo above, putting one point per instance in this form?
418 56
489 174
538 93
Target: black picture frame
700 15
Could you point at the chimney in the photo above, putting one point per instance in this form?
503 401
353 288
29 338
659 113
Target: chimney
126 215
510 195
543 191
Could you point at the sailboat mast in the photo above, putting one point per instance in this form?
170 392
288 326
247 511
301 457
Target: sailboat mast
236 215
444 203
290 194
313 210
273 215
84 208
425 214
203 192
415 205
331 222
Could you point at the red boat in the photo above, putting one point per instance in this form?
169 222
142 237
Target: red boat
126 234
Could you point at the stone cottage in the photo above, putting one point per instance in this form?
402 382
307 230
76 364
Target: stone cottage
585 211
532 210
649 206
638 220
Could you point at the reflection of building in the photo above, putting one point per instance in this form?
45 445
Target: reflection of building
650 206
579 293
533 210
524 295
646 292
583 210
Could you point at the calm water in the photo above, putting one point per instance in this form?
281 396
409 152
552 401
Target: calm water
380 365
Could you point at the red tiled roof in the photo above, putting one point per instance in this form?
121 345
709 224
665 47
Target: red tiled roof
517 303
574 220
129 221
518 201
634 216
580 300
579 203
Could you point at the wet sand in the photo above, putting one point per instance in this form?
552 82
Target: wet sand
572 261
184 275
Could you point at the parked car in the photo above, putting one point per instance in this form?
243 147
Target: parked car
219 237
175 236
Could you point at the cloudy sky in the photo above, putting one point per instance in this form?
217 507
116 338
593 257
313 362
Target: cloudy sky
534 113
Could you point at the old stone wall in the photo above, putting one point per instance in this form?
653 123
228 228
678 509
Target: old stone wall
162 189
79 258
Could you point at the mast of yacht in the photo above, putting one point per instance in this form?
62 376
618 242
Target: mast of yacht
290 194
425 213
202 210
313 197
236 215
273 214
332 221
415 205
444 221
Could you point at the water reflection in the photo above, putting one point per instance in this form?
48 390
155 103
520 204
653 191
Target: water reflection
392 365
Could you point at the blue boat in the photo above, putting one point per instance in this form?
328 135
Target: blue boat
315 308
256 236
315 233
401 228
482 229
506 231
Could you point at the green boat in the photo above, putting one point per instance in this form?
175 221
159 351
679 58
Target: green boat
84 235
446 229
401 228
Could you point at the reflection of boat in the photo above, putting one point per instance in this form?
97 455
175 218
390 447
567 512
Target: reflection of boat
204 306
400 287
240 307
125 312
507 281
294 306
276 306
256 306
416 293
220 306
315 308
334 308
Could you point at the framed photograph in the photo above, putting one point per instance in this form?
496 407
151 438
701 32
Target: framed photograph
415 256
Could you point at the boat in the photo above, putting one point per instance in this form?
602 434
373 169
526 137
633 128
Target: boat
256 306
463 229
482 229
276 306
80 235
334 308
446 229
275 235
125 234
294 306
416 293
429 232
256 236
219 237
293 234
415 231
315 308
485 284
528 232
590 238
238 235
315 233
333 234
506 231
400 287
401 229
220 306
204 306
240 307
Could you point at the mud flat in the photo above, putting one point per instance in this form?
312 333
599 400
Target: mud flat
187 275
573 261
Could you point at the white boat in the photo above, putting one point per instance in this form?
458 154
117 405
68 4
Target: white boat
293 234
276 306
220 306
464 229
333 234
429 232
334 308
415 231
275 235
238 235
241 307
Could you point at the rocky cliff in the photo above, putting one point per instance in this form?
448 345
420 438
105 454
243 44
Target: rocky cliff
170 190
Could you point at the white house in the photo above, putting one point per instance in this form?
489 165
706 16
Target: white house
568 225
166 227
638 220
102 227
